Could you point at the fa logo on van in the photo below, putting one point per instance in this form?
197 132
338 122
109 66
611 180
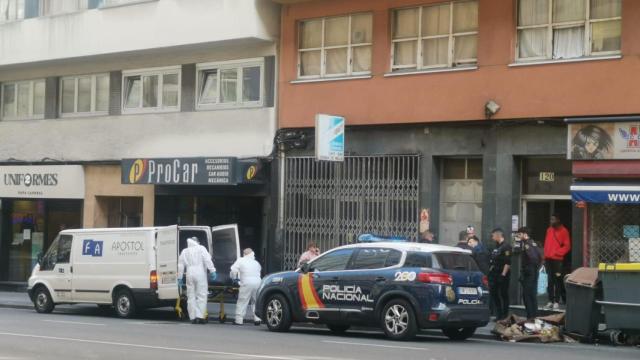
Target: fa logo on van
92 248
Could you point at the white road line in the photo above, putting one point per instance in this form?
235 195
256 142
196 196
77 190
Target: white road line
250 356
375 345
73 322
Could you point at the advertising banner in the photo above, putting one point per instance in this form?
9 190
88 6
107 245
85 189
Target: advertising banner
329 137
603 141
42 182
180 171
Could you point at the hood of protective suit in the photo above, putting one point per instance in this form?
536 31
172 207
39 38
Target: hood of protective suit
191 242
250 255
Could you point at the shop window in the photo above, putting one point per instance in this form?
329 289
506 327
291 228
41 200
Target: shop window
151 90
565 29
230 84
435 36
614 233
23 100
335 46
55 7
460 197
121 211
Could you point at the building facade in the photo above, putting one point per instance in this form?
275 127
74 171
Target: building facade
134 113
455 113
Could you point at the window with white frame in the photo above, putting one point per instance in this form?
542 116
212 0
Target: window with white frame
23 100
565 29
230 84
110 3
88 94
335 46
55 7
435 36
151 90
11 10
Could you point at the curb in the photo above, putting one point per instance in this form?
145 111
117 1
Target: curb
16 306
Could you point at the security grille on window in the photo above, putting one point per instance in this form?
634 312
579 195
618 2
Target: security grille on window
565 29
54 7
335 46
435 36
11 10
230 84
84 94
23 100
151 90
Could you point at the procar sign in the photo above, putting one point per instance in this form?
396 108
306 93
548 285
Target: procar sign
329 137
43 182
180 171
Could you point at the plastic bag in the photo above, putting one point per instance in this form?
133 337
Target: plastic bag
543 281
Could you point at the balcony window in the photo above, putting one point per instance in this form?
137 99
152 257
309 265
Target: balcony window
335 46
23 100
566 29
151 90
84 95
55 7
230 84
435 36
11 10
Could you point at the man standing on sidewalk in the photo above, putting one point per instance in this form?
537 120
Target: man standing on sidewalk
557 244
531 260
500 274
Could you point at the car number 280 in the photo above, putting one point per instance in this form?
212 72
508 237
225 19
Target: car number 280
405 276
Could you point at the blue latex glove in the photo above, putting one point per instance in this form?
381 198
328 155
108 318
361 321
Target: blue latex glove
213 276
180 283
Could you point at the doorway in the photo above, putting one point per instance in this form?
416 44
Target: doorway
536 214
245 211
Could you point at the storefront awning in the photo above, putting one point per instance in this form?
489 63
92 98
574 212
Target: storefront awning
606 193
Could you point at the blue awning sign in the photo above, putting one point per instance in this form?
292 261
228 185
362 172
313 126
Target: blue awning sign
606 193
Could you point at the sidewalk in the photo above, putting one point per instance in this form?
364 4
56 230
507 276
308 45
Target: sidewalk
20 300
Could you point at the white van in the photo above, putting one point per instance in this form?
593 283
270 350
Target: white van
127 268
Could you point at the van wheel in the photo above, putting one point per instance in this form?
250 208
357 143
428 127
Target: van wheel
399 320
338 329
459 334
277 312
42 300
124 304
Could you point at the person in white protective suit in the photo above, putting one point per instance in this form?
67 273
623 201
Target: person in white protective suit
247 270
195 259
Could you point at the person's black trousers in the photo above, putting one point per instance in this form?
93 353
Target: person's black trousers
529 283
555 272
499 289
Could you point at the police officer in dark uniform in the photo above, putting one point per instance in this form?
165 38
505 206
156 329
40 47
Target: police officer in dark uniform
531 260
500 274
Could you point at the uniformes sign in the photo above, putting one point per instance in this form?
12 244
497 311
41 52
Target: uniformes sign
44 182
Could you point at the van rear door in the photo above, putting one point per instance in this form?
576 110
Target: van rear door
167 262
226 250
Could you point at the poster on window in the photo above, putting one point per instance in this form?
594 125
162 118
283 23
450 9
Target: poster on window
603 141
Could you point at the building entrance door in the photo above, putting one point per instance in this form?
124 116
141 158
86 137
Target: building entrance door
537 212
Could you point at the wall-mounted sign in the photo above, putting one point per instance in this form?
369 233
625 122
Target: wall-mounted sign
604 141
547 176
329 137
42 182
180 171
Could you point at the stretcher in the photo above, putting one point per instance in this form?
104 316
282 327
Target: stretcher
216 295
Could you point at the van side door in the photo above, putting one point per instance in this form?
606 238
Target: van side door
167 262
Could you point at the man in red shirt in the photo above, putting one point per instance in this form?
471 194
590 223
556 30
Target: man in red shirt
557 244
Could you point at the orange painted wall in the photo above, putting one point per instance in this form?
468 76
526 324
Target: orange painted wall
605 87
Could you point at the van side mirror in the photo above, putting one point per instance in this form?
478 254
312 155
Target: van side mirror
40 256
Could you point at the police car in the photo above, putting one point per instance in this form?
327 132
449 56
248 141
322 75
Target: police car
399 286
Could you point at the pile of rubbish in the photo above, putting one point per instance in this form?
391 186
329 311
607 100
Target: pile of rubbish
542 329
